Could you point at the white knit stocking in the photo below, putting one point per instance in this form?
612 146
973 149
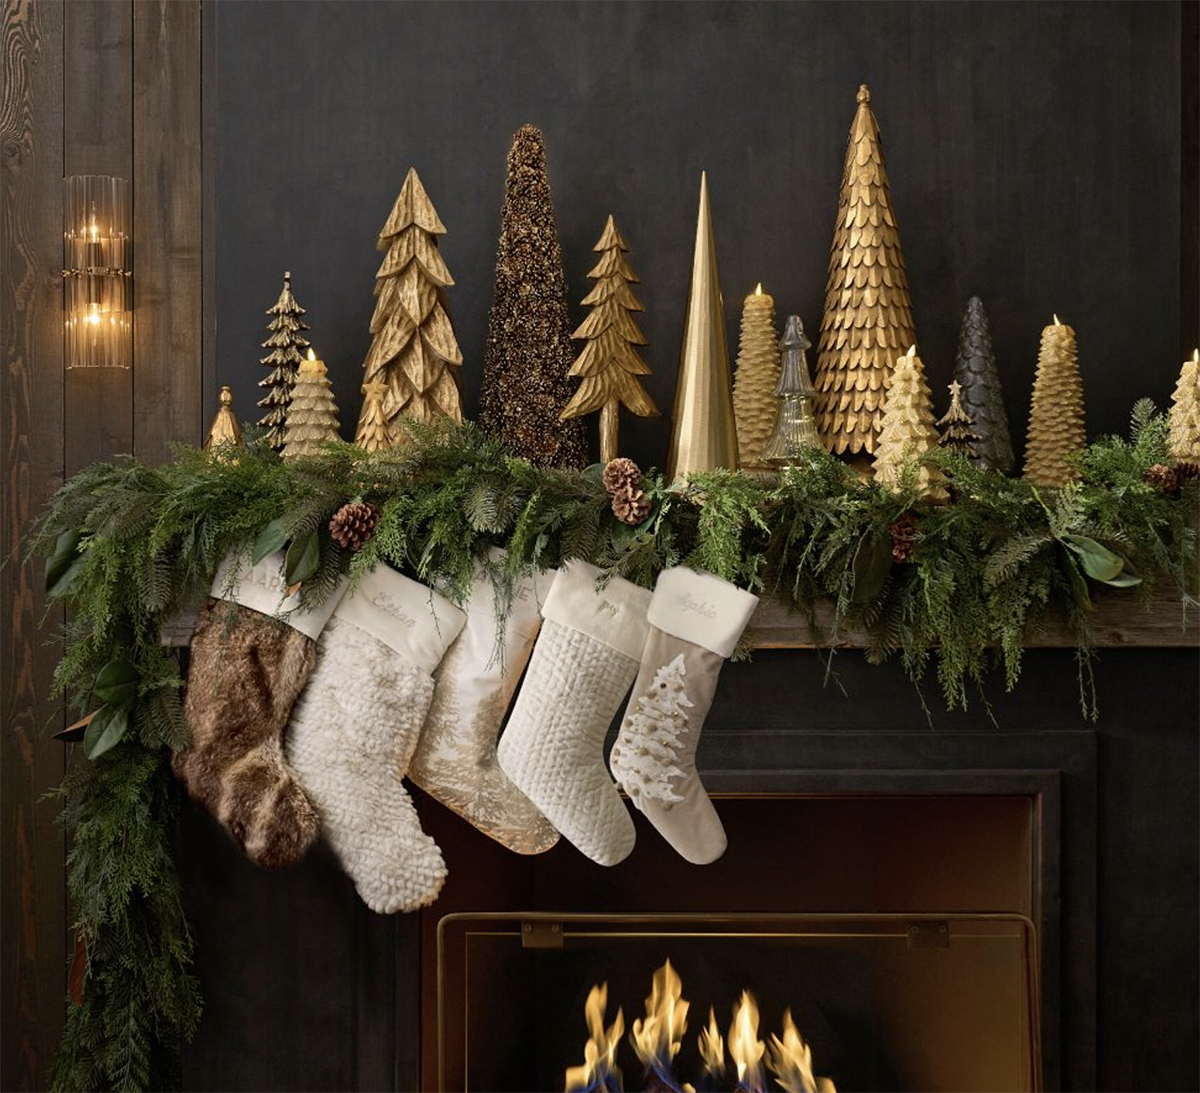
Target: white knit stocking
355 727
553 748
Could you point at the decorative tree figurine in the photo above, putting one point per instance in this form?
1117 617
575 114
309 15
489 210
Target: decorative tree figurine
529 353
975 369
414 350
372 434
868 314
958 430
908 430
757 376
652 735
704 436
312 414
795 428
286 345
224 432
609 365
1056 427
1183 438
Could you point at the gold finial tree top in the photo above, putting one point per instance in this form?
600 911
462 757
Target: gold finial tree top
864 93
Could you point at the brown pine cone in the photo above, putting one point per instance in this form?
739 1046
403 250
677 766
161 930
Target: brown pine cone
631 506
621 474
903 531
1164 477
353 524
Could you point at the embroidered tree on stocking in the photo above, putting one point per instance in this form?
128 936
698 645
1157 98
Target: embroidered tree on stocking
1183 439
609 365
653 735
908 430
414 350
286 345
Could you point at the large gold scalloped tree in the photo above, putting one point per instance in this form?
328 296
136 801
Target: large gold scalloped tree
868 313
414 351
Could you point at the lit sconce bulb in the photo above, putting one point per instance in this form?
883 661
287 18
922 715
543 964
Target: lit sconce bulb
94 232
93 316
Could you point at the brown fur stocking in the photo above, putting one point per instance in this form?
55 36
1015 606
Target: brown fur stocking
246 672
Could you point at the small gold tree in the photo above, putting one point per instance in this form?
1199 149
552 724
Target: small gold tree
286 345
758 367
1056 428
1183 439
312 413
609 364
908 429
372 434
958 430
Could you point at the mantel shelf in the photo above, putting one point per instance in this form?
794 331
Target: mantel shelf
1119 621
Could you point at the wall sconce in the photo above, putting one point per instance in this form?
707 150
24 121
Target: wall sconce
97 282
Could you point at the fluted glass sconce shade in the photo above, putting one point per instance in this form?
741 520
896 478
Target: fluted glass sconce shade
97 283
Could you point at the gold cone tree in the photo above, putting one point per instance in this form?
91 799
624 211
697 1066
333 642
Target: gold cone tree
609 364
224 432
1183 438
414 350
908 431
703 435
754 382
868 319
312 414
286 344
1056 422
372 432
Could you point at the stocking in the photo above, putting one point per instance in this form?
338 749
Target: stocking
553 748
455 760
246 670
695 622
355 727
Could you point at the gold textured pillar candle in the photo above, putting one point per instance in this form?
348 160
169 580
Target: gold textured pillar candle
758 364
907 430
1183 438
1056 423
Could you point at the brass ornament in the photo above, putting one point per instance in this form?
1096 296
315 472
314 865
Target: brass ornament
312 414
868 320
609 364
908 431
286 345
224 432
703 436
372 434
1183 436
414 352
758 369
1056 421
795 428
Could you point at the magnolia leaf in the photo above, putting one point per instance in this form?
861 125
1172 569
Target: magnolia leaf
1124 580
105 730
622 535
117 683
1078 584
303 557
872 564
72 734
270 539
1098 561
594 473
63 565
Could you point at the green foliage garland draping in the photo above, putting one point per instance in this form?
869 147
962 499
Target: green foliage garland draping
130 547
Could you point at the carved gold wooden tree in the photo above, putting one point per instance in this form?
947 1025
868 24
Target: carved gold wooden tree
1183 439
286 345
1056 425
908 429
758 367
224 432
312 414
868 314
414 350
609 364
372 433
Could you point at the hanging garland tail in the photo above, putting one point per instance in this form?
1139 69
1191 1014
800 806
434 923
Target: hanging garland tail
129 548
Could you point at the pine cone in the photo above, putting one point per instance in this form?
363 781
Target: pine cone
621 474
904 536
353 524
631 505
1164 477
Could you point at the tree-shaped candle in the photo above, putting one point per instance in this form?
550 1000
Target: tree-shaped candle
757 376
286 344
1056 424
795 427
312 414
1183 438
609 365
908 431
975 369
372 433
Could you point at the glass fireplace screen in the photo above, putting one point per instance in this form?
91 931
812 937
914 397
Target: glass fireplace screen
711 1002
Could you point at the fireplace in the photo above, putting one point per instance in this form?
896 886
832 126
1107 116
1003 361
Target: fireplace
902 928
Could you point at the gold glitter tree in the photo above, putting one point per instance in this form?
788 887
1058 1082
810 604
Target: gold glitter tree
1056 428
758 367
312 414
414 350
868 320
908 431
1183 438
609 364
372 432
529 353
286 345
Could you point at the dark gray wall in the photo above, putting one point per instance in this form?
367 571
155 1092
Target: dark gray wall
1034 152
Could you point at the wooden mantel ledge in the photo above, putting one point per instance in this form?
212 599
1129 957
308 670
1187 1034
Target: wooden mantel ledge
1119 621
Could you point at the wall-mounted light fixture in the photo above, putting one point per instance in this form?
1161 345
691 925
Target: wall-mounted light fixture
97 282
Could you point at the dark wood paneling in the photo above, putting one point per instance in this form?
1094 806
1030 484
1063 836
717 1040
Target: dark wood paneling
167 228
1189 188
32 895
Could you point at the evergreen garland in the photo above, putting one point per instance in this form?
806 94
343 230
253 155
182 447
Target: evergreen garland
129 547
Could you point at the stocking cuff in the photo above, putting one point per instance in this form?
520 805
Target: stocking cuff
415 621
262 588
614 616
698 607
529 594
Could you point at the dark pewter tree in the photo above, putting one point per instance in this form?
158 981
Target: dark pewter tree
975 369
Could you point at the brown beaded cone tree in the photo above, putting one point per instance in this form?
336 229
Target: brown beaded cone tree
868 314
529 353
312 414
1056 427
908 429
1183 437
609 364
286 345
414 350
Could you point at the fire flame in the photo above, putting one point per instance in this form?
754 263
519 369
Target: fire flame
599 1070
790 1061
745 1047
658 1038
712 1047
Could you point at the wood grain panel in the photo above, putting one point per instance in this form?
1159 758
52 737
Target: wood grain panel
32 892
167 401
